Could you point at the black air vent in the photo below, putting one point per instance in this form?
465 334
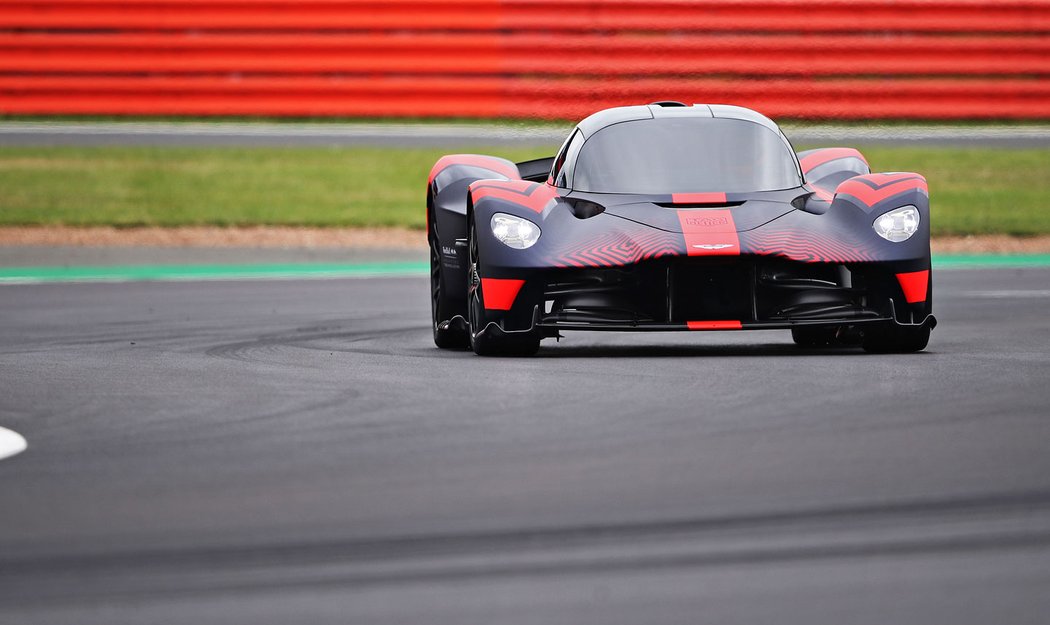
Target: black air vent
585 209
698 204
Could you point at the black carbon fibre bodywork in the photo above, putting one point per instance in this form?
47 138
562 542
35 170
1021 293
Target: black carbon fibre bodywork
802 256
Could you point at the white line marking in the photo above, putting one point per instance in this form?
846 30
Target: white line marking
11 443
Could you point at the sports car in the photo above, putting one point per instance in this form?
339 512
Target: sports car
675 217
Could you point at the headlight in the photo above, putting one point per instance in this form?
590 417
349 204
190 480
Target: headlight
514 231
897 225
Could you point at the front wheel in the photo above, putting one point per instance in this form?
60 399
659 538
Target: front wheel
449 336
895 339
488 339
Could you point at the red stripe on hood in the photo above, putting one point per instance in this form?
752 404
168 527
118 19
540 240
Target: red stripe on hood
709 232
698 198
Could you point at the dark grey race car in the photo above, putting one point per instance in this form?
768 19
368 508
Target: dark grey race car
674 217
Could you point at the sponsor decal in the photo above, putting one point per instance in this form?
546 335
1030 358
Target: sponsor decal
707 222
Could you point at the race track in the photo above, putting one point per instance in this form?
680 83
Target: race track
297 451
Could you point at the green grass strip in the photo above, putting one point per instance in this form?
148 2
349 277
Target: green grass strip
973 190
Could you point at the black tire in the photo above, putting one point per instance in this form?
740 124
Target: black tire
895 339
452 336
808 336
485 340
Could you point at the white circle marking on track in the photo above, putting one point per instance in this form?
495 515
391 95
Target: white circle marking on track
11 443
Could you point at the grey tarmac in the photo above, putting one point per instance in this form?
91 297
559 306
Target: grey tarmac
299 452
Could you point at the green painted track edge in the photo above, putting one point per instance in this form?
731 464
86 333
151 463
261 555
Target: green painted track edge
22 275
210 272
985 261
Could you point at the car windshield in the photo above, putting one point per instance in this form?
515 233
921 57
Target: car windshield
685 155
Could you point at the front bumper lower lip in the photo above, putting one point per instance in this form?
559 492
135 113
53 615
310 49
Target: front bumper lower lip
930 320
549 325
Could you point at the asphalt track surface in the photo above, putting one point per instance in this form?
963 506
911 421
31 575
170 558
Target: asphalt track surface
25 133
296 451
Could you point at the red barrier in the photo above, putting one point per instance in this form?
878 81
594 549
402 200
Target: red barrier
519 97
527 54
849 16
928 59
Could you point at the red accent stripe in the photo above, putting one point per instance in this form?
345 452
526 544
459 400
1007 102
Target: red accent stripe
826 155
821 193
498 293
709 232
807 246
887 185
714 325
698 198
914 284
631 245
474 160
531 195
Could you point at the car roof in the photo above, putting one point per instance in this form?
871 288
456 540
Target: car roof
608 117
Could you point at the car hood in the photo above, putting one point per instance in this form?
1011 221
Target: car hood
685 213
